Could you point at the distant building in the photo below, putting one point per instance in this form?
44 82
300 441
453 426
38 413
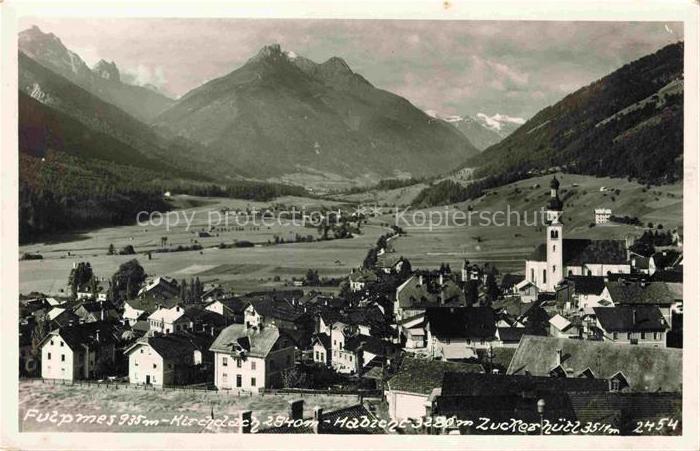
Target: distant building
141 308
161 288
559 257
251 358
169 320
602 215
361 279
93 311
233 309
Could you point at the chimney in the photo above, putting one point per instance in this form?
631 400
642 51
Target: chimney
246 417
296 409
559 352
318 415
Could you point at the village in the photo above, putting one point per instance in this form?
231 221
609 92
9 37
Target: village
589 331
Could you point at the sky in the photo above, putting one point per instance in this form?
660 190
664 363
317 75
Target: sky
501 70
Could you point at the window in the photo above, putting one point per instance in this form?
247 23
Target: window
60 343
615 385
554 247
614 335
155 366
239 380
51 342
252 382
136 363
317 355
544 276
629 335
224 377
141 350
48 357
554 269
656 335
252 365
224 361
239 363
644 335
63 357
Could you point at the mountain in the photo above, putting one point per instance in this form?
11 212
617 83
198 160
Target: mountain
476 131
627 124
80 123
501 124
281 113
104 80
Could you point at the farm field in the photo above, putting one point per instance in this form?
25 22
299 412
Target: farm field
507 246
241 268
154 405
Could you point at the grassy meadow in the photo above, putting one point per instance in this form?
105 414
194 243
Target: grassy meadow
242 268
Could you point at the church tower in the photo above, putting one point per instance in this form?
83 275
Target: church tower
553 271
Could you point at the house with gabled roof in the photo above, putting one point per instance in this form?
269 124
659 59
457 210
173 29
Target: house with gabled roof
361 278
141 308
321 348
174 359
79 351
91 311
410 387
424 290
639 368
456 333
637 325
232 308
251 358
161 287
664 295
169 320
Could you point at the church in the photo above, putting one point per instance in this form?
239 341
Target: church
559 257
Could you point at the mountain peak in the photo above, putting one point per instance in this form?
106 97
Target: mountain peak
106 70
337 64
270 52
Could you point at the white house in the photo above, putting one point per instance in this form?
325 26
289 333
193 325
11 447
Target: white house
602 215
76 352
639 325
527 290
360 279
251 358
166 360
408 390
169 320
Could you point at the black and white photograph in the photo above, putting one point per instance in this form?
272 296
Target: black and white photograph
338 226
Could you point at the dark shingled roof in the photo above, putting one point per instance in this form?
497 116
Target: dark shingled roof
324 339
511 334
421 376
645 368
580 251
649 293
174 346
456 384
86 334
587 284
461 322
370 344
631 319
510 280
414 295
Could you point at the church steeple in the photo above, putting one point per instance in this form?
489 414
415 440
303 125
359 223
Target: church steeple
554 205
554 270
